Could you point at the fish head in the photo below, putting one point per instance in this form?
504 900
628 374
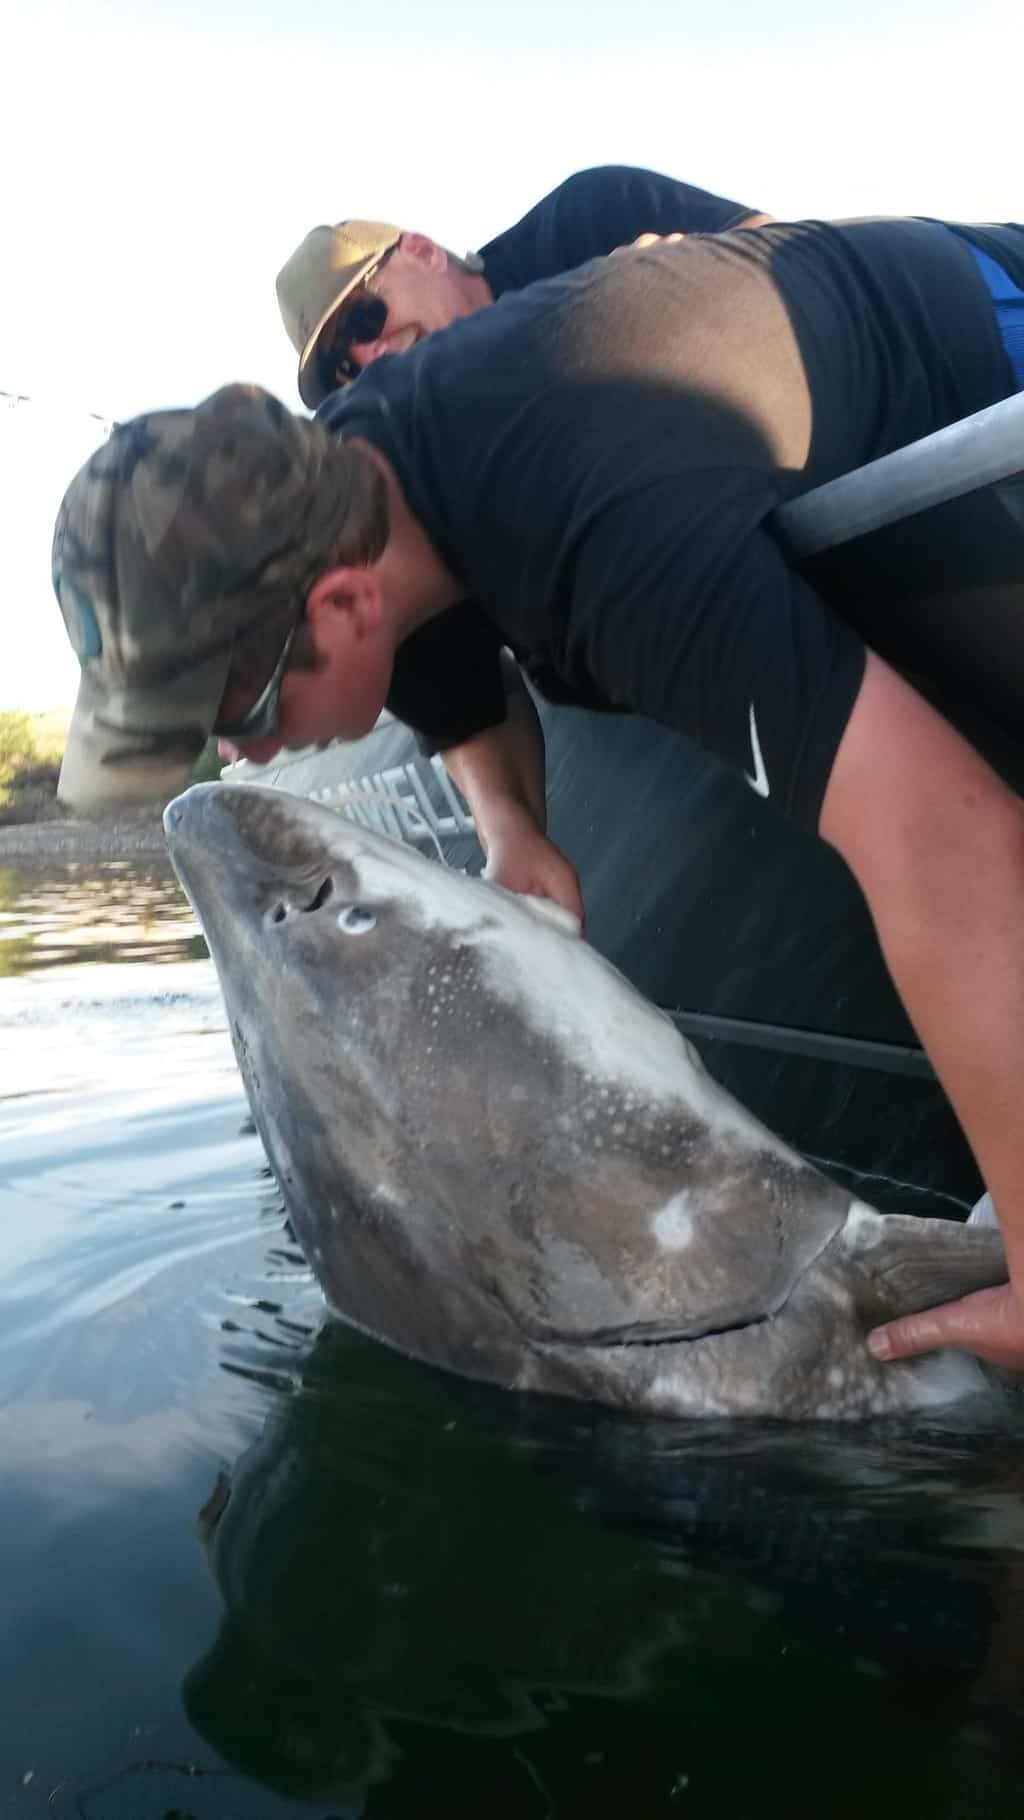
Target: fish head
487 1139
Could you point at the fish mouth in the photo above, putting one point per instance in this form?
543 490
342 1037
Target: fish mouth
649 1334
652 1334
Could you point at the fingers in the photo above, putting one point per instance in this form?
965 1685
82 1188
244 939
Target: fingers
561 887
914 1333
643 240
533 866
559 883
989 1323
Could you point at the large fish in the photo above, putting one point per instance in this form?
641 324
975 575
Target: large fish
498 1157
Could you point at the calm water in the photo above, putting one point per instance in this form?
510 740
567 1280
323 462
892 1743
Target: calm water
255 1566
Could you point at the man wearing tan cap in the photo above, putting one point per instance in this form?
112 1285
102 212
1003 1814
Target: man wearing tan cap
353 292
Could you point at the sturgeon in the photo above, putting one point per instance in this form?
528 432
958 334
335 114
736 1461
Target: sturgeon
500 1158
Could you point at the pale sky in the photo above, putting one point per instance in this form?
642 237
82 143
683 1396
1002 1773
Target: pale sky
163 158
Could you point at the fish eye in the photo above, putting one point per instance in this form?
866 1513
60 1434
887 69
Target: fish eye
356 919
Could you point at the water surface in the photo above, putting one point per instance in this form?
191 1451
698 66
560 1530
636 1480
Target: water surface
255 1565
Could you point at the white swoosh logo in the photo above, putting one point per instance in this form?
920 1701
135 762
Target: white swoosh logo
759 781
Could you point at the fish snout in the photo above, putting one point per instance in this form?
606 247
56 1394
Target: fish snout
183 811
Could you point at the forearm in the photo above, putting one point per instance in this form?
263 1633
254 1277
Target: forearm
501 772
954 941
937 845
501 776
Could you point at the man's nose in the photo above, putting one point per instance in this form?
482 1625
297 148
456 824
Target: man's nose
364 353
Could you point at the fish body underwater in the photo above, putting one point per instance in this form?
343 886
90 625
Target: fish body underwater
499 1158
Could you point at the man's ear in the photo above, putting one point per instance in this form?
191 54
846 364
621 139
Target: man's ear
427 251
344 599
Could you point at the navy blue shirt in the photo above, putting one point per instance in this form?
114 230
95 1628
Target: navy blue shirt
595 211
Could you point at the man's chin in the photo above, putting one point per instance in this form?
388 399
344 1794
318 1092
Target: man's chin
257 751
357 730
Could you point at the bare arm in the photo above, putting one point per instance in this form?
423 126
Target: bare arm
501 775
503 769
936 842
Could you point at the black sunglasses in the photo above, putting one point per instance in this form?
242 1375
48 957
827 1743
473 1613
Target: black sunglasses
260 721
361 322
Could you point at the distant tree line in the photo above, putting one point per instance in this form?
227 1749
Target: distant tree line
31 748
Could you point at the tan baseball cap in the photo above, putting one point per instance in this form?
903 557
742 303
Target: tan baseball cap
185 531
314 283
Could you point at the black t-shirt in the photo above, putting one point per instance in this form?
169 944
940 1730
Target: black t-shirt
594 459
595 211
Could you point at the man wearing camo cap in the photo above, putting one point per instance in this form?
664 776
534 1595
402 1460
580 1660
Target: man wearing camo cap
182 553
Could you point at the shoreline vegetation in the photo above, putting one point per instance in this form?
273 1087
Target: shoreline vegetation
36 828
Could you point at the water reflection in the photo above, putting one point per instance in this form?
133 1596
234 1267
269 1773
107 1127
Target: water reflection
86 911
256 1567
442 1600
137 1220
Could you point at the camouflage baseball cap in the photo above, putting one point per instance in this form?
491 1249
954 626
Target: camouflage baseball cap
186 531
315 281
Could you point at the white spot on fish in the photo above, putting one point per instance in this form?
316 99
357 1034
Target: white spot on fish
864 1227
673 1224
983 1213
